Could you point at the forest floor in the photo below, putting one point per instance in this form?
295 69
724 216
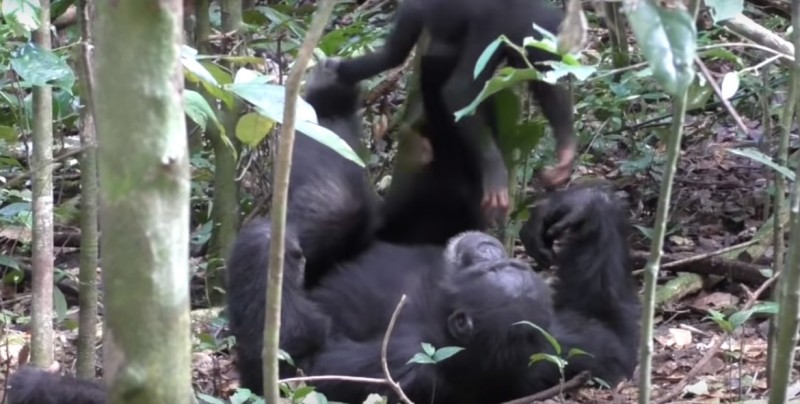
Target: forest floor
717 202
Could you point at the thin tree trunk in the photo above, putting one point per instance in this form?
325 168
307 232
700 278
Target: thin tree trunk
143 164
225 211
786 322
87 317
42 260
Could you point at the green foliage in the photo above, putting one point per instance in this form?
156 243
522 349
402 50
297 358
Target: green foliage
430 355
668 39
40 67
557 359
755 155
738 319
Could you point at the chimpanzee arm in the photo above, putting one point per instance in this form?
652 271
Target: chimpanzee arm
404 34
34 386
597 309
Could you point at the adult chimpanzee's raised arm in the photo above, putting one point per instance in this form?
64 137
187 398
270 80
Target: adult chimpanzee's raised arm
597 309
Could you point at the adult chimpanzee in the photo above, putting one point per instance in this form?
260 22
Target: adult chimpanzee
468 294
470 26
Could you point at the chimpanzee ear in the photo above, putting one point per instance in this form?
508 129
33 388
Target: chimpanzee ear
472 247
460 327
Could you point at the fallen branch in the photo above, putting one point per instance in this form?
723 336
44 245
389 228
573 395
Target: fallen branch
707 264
749 29
677 390
572 384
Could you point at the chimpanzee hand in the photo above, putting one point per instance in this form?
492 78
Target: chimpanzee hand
559 173
559 212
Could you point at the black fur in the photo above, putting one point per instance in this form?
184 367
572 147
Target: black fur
33 386
443 198
468 27
468 293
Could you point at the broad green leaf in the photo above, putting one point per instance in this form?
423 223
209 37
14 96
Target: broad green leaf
197 109
198 71
241 396
428 349
330 139
9 261
209 399
740 317
546 334
300 393
252 128
421 358
22 15
446 352
730 84
375 398
755 155
668 39
217 91
505 78
269 100
59 304
41 67
722 10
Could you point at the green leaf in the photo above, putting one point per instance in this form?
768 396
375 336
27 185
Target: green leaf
546 334
21 15
9 261
487 53
197 109
505 78
421 358
722 10
576 351
668 39
252 128
41 67
428 349
59 304
739 318
446 352
755 155
719 318
209 399
217 91
549 358
330 139
240 396
197 71
300 393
